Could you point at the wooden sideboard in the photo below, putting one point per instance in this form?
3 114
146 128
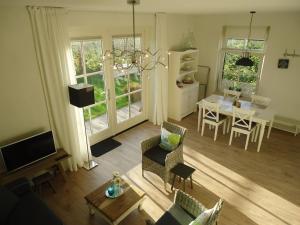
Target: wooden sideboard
31 170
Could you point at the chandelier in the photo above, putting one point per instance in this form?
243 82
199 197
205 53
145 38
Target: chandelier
245 59
142 60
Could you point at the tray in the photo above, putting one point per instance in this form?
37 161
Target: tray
114 196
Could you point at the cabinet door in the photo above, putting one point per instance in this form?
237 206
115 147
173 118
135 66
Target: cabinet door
185 104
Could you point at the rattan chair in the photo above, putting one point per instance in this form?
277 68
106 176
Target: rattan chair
158 160
185 209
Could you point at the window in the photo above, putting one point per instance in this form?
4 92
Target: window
87 56
128 86
237 77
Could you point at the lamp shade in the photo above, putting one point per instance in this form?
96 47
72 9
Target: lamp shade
244 61
81 95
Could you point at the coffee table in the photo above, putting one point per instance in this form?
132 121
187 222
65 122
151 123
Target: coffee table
115 210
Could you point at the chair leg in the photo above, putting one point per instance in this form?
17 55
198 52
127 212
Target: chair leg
247 141
229 124
224 127
253 134
256 133
202 128
235 134
270 128
216 132
230 139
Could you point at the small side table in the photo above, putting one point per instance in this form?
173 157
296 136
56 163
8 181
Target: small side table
43 179
183 171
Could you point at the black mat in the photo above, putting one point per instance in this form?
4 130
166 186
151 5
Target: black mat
103 147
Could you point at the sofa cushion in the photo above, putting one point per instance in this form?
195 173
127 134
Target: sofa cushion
32 210
157 154
168 140
7 203
181 215
167 219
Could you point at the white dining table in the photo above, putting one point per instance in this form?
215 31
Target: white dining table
262 116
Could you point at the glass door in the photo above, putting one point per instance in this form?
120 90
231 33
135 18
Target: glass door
128 86
87 57
119 95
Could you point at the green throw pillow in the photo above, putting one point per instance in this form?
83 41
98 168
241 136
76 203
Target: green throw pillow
169 141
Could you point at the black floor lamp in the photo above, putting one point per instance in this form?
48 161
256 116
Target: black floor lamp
82 95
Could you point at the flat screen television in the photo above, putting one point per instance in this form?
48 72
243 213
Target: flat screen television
27 151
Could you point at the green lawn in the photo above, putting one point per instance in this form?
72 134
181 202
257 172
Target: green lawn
121 87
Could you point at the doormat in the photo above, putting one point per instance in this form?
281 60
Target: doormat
103 147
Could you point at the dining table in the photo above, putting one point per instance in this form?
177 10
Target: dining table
263 114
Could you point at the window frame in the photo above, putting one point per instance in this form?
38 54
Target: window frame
127 75
240 51
85 76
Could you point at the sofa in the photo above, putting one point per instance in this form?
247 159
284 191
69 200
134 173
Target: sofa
187 209
19 206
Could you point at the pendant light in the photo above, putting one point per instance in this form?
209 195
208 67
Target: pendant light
134 58
245 59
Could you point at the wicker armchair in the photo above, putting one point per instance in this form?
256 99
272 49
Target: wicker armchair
185 209
158 160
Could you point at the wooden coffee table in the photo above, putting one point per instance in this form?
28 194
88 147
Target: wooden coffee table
115 210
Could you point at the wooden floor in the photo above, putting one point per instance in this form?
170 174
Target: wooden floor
258 188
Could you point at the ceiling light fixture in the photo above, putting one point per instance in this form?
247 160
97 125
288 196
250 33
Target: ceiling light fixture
134 58
245 59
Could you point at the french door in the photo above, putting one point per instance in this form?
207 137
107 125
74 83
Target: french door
119 96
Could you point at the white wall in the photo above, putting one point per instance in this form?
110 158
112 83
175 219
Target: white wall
23 110
279 84
178 27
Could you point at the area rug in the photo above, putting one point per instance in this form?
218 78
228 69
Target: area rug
103 147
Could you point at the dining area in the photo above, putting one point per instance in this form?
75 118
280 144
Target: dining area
236 115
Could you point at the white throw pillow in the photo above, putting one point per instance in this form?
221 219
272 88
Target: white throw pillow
203 218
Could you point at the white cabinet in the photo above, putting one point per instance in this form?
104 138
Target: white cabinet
183 88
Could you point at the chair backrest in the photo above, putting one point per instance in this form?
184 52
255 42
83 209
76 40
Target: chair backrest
228 92
188 203
210 110
260 100
174 128
242 117
215 214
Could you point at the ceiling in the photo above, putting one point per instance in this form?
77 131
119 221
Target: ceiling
168 6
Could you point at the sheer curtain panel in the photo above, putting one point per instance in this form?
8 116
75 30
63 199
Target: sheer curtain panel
53 55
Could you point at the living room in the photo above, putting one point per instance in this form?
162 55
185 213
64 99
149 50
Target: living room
257 187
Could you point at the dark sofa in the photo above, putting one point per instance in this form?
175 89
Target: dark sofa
20 206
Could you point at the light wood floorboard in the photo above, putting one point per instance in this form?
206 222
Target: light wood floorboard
258 188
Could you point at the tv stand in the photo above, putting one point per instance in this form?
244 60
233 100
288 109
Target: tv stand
31 170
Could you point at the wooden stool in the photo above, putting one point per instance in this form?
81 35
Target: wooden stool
182 171
43 179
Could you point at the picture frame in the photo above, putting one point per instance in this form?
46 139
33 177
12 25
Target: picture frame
283 63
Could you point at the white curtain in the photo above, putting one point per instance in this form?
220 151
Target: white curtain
160 82
53 54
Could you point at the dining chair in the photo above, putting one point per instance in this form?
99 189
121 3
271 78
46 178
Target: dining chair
260 100
265 102
242 123
212 117
233 93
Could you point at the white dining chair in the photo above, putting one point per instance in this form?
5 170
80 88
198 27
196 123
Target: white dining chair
233 93
212 117
260 100
265 102
242 123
